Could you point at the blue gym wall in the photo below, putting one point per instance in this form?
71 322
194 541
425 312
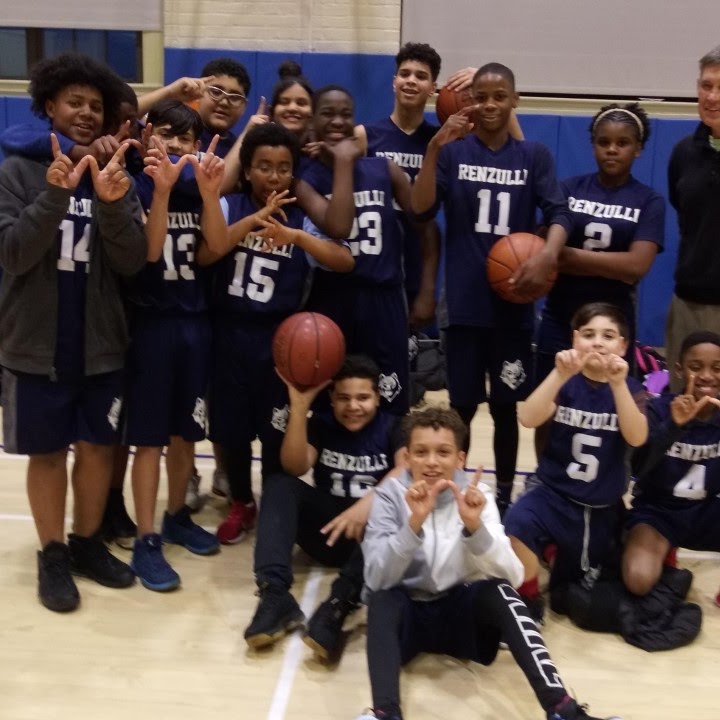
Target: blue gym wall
368 78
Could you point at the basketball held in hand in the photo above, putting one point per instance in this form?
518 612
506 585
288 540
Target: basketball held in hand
308 349
451 101
506 256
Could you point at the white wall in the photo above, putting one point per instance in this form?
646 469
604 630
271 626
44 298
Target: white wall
347 26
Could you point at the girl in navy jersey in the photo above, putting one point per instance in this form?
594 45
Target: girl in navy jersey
676 501
261 274
595 412
618 228
350 450
491 185
369 304
69 233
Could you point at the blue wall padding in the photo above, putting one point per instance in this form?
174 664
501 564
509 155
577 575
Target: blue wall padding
369 78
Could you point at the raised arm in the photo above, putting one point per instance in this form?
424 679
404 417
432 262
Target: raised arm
297 455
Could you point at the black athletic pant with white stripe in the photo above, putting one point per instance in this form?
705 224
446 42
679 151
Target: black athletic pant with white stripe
467 623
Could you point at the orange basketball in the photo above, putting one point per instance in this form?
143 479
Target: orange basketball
308 349
506 256
449 102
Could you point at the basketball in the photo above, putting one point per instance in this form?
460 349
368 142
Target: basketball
308 349
451 101
506 256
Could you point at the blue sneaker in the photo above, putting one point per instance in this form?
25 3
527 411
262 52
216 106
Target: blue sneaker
150 566
181 530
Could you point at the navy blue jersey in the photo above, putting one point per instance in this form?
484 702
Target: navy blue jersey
386 139
487 195
224 143
73 238
350 463
690 468
376 240
406 150
605 220
584 458
175 282
255 282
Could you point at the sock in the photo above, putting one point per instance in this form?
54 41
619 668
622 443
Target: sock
530 589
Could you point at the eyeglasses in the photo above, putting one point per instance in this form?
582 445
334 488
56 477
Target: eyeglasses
233 99
268 170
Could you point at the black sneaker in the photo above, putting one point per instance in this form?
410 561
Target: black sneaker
56 588
116 523
90 558
277 613
568 709
536 608
324 631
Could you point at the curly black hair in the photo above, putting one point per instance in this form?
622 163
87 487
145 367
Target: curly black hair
50 76
270 134
231 68
630 114
420 52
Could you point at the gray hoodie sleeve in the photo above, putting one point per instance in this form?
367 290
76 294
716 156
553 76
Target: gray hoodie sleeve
31 211
389 545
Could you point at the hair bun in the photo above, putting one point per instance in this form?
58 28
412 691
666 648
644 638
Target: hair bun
289 69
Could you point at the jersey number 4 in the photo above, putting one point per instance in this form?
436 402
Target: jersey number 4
692 484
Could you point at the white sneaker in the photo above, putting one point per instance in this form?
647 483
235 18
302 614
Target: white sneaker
367 715
220 485
193 499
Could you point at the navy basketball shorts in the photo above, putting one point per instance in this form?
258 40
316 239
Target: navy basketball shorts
374 321
695 526
167 375
247 399
583 535
474 355
44 416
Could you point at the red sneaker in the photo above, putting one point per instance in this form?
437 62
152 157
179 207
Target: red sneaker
239 521
671 558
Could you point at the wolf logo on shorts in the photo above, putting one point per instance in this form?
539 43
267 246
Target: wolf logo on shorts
389 386
513 374
280 418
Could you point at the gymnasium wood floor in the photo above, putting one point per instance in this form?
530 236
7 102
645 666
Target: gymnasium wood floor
138 654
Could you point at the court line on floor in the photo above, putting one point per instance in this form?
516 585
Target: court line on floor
294 650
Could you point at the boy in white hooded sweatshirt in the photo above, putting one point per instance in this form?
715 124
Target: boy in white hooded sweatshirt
440 573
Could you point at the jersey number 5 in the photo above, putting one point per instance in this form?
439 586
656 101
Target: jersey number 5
585 467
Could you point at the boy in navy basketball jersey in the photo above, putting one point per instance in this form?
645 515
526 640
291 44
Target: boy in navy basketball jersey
261 274
369 305
596 413
676 501
349 450
403 138
440 571
169 356
491 185
618 228
67 235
